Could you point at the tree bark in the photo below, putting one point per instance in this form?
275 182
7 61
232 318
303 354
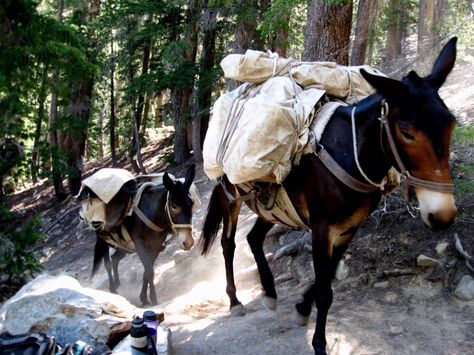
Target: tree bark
78 108
426 25
39 120
328 30
113 120
135 154
145 66
245 30
57 176
158 113
181 96
205 84
365 19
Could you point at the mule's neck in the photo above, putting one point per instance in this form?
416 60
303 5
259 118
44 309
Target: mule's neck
370 153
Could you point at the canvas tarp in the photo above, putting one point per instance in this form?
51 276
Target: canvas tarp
259 130
343 82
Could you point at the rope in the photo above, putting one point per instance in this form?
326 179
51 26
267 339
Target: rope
381 186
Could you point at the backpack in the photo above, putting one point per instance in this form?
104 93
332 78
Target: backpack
27 344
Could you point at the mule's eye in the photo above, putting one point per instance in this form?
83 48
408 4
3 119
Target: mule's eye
407 135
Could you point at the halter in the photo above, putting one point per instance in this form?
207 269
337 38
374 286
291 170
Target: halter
153 226
444 187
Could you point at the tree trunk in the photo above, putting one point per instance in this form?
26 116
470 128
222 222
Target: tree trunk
100 138
158 113
135 153
39 120
371 35
328 30
145 65
57 176
206 82
181 97
113 120
365 20
426 25
79 108
245 31
440 13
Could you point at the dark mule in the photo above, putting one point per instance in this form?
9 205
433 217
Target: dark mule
11 152
162 210
405 125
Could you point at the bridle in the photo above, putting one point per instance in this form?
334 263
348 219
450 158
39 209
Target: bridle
339 172
444 187
153 226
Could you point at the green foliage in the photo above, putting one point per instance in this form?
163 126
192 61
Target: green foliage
18 257
463 167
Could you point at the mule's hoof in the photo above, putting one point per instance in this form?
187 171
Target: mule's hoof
301 320
237 310
269 303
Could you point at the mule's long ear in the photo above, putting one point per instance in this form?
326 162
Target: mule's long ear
391 89
444 64
169 184
189 176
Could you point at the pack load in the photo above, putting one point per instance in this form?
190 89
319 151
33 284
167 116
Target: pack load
259 130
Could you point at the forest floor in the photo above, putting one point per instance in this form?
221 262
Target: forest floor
375 310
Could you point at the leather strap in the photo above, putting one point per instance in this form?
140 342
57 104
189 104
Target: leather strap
146 220
334 167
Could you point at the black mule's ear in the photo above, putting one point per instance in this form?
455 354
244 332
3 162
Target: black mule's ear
169 184
443 65
391 89
189 176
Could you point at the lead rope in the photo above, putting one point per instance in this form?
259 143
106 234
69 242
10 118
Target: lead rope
381 186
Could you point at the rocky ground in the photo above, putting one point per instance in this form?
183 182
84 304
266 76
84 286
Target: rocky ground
384 303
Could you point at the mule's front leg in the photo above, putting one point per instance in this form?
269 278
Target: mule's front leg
325 260
255 239
148 275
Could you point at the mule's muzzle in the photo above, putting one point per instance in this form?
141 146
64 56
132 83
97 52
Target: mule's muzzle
438 209
185 237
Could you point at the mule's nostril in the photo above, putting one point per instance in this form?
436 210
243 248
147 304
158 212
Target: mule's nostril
96 225
438 223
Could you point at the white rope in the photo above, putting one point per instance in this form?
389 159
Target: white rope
274 56
381 186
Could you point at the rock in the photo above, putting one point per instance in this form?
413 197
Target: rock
465 288
426 261
342 271
442 248
382 284
60 306
396 329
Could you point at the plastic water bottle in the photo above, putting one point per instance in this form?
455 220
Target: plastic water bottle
139 337
149 317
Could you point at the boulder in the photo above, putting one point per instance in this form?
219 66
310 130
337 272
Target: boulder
61 307
465 288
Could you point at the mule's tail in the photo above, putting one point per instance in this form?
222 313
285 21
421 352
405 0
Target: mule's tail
214 217
101 251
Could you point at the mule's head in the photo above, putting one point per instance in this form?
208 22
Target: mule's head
180 207
101 216
421 126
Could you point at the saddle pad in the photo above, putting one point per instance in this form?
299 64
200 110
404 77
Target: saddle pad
106 182
282 212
